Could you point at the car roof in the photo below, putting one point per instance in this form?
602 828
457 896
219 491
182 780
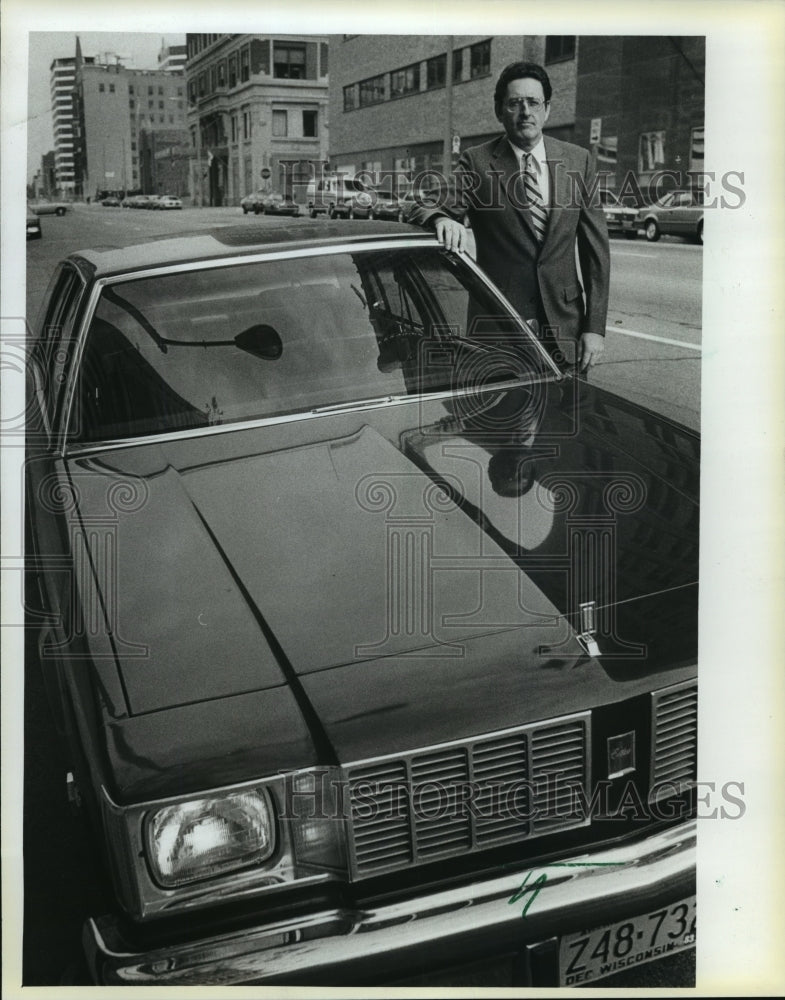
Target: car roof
228 241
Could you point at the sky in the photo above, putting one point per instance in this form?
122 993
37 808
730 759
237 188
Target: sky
140 51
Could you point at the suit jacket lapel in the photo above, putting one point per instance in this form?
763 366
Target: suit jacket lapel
506 162
560 188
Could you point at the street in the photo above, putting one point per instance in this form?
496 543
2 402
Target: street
652 357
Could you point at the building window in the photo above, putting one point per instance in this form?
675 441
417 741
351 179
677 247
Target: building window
310 124
480 59
111 88
371 91
696 148
324 57
233 121
101 88
247 124
457 66
651 152
280 124
132 104
161 91
405 81
151 103
149 91
245 64
220 74
180 89
349 98
436 72
559 48
130 88
160 105
233 70
288 61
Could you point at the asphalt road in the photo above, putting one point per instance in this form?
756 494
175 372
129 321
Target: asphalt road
655 293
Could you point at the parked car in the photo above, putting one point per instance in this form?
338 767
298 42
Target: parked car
378 653
33 226
110 202
43 206
338 196
274 203
678 213
385 205
169 201
250 201
621 218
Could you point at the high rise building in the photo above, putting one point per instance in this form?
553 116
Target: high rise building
172 57
257 113
62 75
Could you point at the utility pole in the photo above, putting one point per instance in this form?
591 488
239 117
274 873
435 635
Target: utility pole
448 127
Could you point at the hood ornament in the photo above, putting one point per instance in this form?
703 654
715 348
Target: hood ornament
588 616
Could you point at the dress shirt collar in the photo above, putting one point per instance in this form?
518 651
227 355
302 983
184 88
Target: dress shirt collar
538 153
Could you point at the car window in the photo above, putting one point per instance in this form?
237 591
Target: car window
255 340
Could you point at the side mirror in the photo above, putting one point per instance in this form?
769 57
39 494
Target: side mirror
262 341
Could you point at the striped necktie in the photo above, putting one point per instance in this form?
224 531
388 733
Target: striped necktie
539 214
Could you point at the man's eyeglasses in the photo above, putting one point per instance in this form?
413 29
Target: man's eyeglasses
517 103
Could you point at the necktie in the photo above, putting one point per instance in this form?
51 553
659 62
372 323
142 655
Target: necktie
534 196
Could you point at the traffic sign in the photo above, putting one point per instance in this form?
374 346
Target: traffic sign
266 173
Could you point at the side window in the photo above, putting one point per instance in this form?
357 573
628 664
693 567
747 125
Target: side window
55 346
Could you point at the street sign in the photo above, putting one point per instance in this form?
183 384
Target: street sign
456 143
266 173
595 130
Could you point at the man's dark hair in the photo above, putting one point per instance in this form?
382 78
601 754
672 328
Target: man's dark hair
517 71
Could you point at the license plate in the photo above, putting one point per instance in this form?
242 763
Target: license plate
606 950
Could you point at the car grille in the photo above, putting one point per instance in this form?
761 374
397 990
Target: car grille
674 739
463 797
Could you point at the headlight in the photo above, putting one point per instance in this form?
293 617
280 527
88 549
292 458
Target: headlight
209 836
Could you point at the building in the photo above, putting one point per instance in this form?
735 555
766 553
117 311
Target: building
257 112
640 107
172 58
48 175
115 108
62 75
398 102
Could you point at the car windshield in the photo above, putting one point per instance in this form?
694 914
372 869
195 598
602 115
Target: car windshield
262 339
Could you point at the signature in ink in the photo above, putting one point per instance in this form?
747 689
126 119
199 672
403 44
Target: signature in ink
533 889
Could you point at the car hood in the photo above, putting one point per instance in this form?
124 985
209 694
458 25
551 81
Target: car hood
349 584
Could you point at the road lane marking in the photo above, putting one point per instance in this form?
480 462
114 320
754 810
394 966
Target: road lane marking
631 253
651 336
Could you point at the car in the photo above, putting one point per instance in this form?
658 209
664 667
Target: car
338 196
275 203
371 625
110 202
250 201
620 218
385 205
33 226
678 213
43 206
169 201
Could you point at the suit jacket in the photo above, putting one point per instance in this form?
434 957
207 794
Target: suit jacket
541 281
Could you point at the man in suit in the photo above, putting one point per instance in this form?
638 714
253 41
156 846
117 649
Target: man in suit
527 197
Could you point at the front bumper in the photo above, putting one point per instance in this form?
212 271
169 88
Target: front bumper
440 928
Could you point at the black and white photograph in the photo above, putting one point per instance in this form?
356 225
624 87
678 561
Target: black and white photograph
389 515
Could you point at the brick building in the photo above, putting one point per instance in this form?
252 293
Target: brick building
257 112
397 102
645 98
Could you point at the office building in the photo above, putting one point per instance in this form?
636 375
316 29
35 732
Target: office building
257 112
62 74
